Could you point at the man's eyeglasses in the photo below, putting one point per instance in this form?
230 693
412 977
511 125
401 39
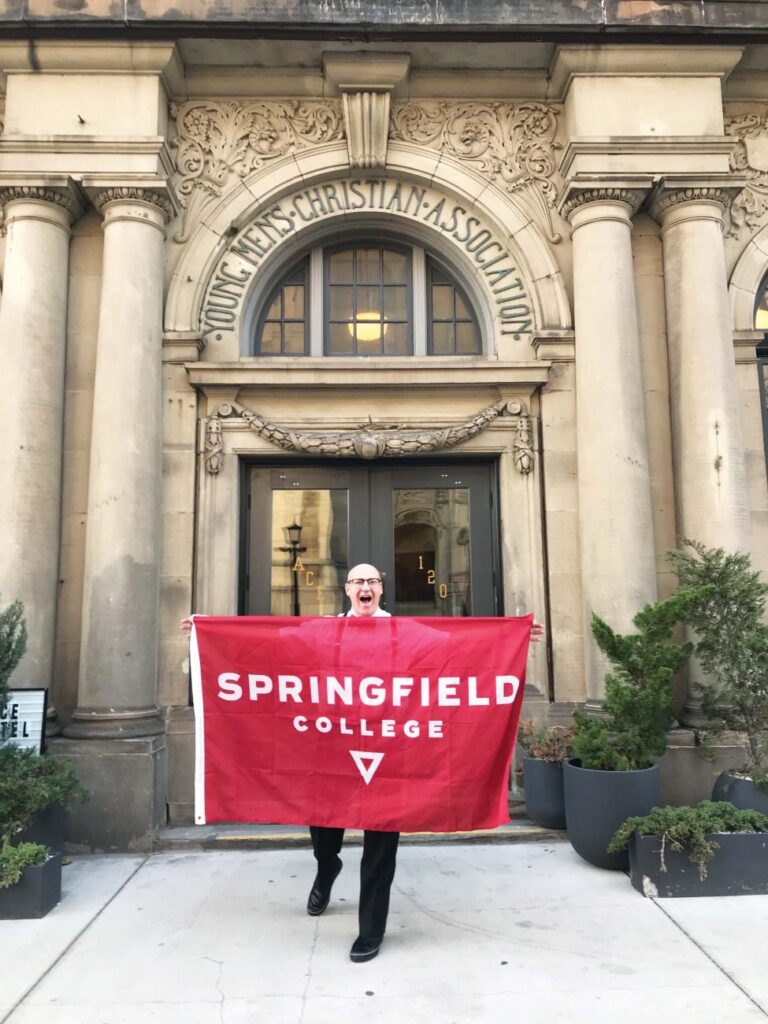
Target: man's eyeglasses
376 582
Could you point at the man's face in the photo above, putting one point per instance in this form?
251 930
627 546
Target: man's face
365 595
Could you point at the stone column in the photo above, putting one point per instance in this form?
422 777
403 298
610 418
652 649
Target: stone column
33 325
116 693
708 453
615 519
121 756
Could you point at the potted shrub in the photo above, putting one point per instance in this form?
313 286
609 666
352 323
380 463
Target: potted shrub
545 749
30 874
714 849
727 616
614 773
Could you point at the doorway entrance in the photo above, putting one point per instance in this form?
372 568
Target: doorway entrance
430 529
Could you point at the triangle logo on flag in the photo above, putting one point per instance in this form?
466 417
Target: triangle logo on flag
367 763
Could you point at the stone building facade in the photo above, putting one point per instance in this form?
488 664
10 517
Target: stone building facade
482 312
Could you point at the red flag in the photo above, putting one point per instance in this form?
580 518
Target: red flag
392 724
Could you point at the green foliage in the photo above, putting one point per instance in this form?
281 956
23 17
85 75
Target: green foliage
15 859
727 617
686 828
638 712
546 743
13 643
28 783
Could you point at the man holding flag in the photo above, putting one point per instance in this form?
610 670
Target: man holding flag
259 760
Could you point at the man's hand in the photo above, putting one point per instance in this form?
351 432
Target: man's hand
186 626
537 632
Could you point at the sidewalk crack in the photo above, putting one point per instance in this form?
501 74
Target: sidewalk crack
712 960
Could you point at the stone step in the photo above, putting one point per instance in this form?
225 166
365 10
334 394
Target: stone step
182 838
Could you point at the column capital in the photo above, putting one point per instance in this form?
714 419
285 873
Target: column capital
685 196
626 192
59 191
133 194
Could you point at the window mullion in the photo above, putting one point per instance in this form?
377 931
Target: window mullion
419 293
316 303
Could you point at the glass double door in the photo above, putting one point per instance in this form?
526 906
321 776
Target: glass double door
430 529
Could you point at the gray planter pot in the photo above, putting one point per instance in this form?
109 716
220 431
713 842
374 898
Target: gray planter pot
45 827
743 793
37 892
598 802
544 796
738 868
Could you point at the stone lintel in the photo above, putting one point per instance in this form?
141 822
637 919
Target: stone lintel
640 147
379 374
85 154
128 56
649 60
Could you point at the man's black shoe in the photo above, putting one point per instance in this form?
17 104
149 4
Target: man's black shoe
320 893
364 949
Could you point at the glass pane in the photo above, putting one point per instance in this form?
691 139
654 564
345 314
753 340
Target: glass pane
341 267
341 304
462 313
273 313
340 342
308 577
394 303
270 338
369 339
466 339
396 340
368 265
438 277
432 551
442 302
395 267
294 339
293 302
442 339
368 300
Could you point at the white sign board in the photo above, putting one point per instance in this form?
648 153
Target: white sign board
23 720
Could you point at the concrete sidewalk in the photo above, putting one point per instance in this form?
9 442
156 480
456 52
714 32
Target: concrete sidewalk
489 933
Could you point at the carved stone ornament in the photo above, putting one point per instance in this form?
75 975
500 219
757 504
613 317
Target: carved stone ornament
60 197
134 194
370 441
666 200
749 208
216 139
511 144
366 115
631 196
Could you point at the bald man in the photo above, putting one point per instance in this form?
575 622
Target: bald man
377 868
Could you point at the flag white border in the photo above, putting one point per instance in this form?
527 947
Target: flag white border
197 703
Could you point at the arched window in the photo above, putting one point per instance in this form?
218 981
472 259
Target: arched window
761 324
367 298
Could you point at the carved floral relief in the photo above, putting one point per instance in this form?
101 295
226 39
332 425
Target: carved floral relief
511 144
748 210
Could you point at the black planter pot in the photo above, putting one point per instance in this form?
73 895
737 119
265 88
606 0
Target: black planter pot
544 798
37 891
46 827
598 802
738 868
743 793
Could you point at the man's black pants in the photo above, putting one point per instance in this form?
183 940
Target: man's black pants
377 870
